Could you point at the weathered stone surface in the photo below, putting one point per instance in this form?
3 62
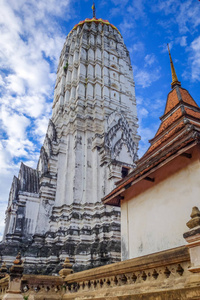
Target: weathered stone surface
159 276
195 218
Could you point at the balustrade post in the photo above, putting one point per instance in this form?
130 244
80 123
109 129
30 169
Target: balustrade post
67 268
193 239
3 271
16 273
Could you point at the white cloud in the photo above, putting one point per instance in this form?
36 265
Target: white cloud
136 47
126 28
195 58
137 9
183 41
146 133
184 13
149 110
145 78
142 113
14 124
150 59
41 128
29 49
30 45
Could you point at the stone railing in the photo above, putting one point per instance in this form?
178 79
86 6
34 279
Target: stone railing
171 274
163 272
42 287
33 287
4 282
37 287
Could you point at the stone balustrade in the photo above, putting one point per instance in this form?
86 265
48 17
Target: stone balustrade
37 286
171 274
4 283
165 272
42 287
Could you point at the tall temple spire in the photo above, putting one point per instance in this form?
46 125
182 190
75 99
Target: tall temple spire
91 141
94 10
174 76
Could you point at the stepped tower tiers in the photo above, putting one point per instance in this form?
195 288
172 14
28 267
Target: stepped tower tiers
91 143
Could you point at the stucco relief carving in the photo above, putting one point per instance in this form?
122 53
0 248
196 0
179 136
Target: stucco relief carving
43 162
77 141
118 135
47 151
52 131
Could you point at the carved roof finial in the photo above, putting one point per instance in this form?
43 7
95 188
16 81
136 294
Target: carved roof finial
94 10
195 218
18 260
174 76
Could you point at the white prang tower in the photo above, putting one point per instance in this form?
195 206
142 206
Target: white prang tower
91 143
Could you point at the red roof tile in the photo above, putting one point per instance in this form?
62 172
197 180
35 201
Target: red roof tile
172 100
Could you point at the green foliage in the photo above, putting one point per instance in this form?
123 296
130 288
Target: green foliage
26 297
65 67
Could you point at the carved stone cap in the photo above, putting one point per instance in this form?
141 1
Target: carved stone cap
18 260
195 218
67 268
67 264
17 268
3 268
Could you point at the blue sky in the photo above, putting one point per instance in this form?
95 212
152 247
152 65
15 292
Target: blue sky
32 36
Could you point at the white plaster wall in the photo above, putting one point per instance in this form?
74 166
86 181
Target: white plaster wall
74 74
70 61
67 184
105 92
68 77
124 153
90 72
80 92
156 219
98 53
32 207
81 70
91 54
11 222
98 71
98 40
97 90
91 39
62 165
89 91
67 94
73 93
82 53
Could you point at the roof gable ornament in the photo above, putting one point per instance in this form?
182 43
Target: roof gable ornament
174 76
94 10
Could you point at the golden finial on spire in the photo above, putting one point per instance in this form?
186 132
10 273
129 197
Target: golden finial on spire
94 10
174 76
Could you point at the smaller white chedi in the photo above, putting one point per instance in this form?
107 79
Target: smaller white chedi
91 142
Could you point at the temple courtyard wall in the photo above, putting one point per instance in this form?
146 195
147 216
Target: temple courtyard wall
171 274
